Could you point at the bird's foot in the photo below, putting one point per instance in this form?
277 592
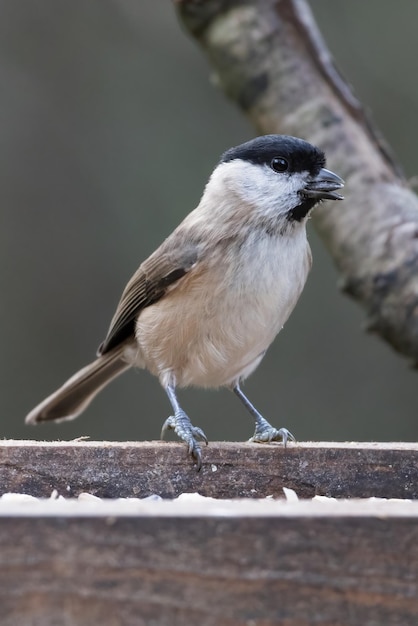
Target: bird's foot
184 429
265 433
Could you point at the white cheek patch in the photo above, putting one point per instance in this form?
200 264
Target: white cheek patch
268 191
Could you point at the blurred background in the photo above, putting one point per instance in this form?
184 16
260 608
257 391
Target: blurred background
109 129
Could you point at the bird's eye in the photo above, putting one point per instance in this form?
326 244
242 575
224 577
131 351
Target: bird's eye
279 164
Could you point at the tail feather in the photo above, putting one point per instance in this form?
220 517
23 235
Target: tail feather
76 394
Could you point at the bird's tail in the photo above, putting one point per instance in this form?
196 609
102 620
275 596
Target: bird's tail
76 394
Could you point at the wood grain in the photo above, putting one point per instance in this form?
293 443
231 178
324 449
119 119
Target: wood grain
212 562
287 564
230 470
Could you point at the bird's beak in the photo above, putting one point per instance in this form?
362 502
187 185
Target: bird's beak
324 186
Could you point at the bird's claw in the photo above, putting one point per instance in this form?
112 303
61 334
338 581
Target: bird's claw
188 433
265 433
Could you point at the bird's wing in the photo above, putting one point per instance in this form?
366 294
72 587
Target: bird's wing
150 282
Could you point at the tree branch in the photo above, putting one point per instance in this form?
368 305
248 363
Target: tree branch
269 57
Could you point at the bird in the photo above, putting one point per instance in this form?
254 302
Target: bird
203 308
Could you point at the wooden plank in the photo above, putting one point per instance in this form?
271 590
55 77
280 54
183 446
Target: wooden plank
290 564
230 470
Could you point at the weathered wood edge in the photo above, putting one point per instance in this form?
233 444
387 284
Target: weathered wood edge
227 445
216 570
208 562
230 470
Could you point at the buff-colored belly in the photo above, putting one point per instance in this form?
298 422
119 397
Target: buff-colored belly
210 333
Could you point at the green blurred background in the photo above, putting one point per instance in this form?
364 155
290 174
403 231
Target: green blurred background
109 129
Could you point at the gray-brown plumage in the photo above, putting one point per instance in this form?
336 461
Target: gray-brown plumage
204 307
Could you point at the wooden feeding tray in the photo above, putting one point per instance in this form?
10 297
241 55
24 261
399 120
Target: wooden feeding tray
242 555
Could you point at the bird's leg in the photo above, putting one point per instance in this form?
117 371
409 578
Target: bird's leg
184 429
264 432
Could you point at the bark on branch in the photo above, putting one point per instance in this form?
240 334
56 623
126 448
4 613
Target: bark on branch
269 57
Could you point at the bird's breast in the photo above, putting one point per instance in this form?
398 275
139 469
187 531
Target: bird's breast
215 324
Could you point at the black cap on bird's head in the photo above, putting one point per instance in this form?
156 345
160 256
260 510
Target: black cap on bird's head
300 155
291 155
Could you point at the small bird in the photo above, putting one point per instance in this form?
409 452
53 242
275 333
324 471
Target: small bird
205 306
